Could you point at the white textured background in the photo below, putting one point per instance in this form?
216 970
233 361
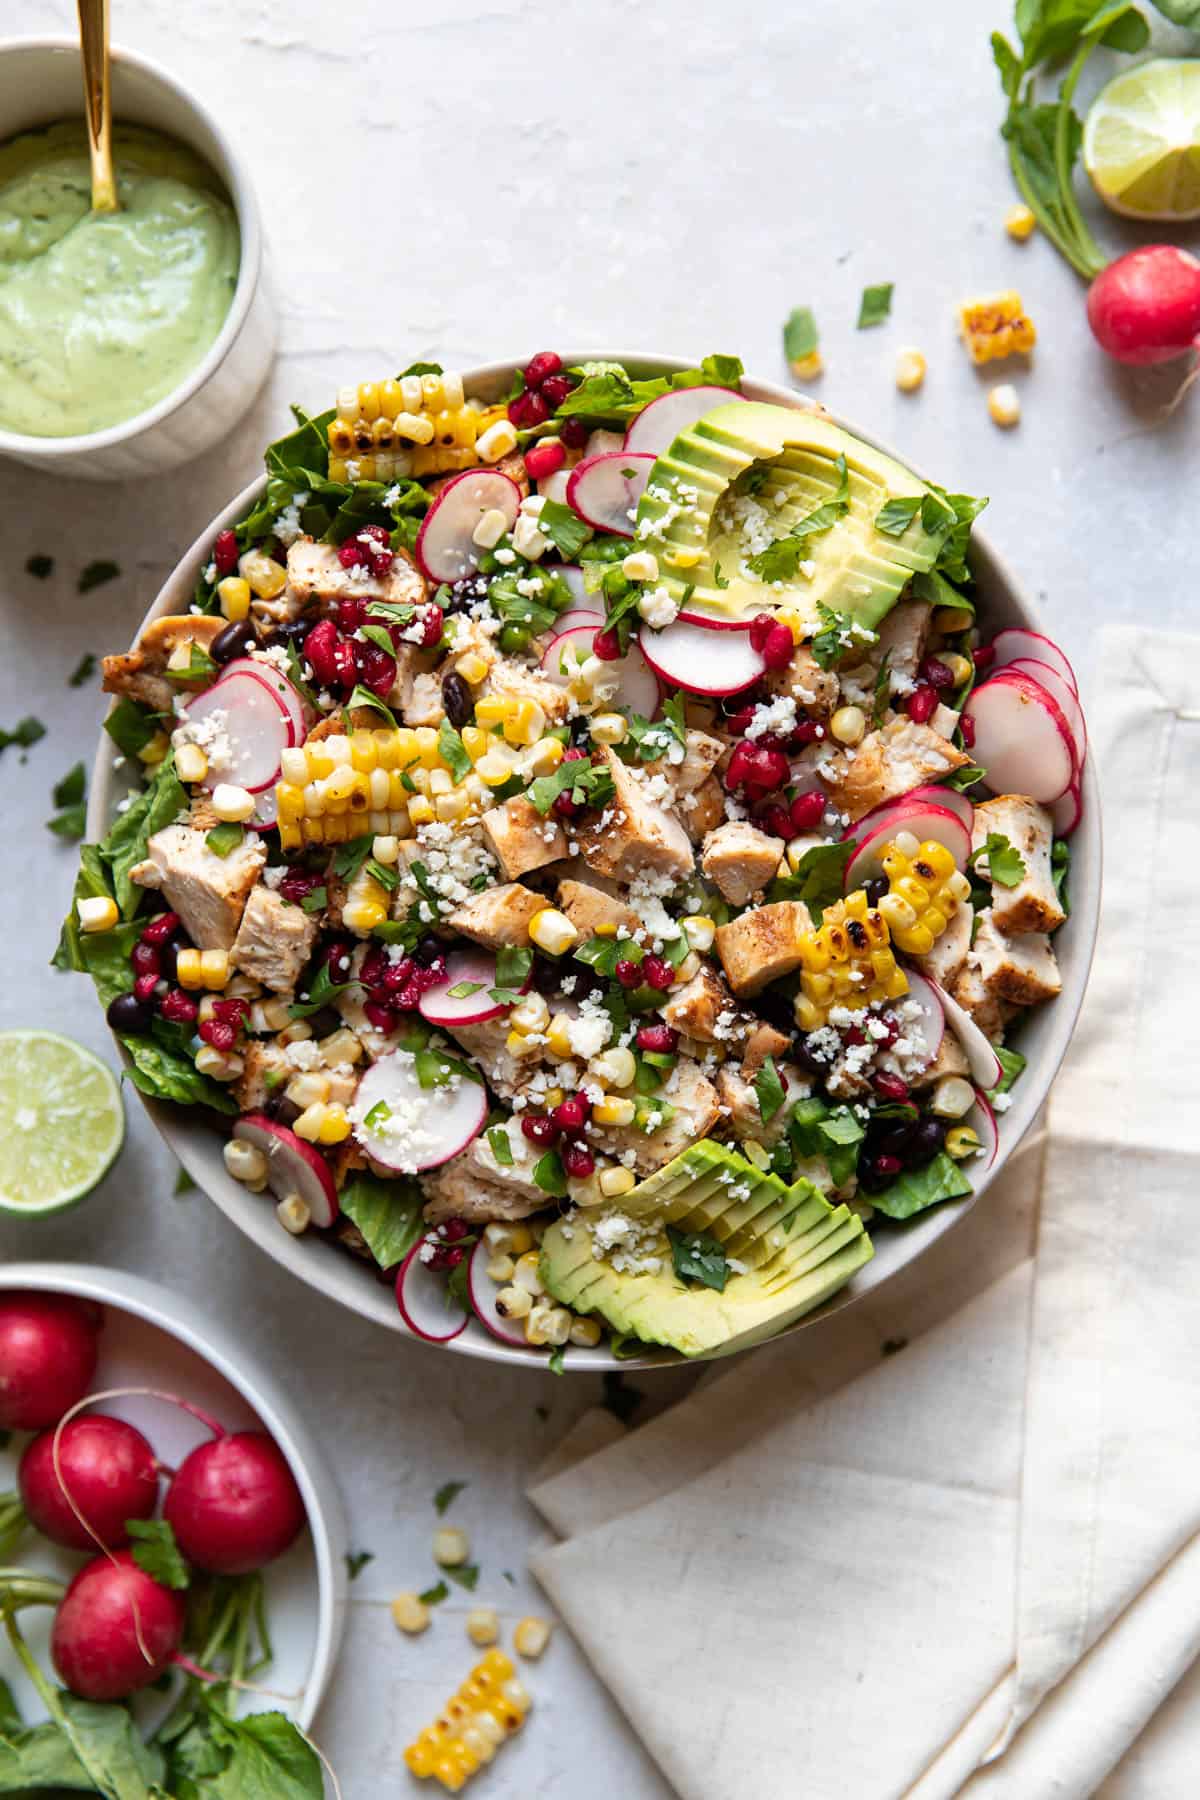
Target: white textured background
483 178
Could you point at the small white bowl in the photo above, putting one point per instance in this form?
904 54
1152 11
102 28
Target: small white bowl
41 81
155 1338
1044 1037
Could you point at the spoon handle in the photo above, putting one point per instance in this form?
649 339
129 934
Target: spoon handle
97 102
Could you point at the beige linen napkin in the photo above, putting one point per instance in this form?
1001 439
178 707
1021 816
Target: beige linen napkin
972 1566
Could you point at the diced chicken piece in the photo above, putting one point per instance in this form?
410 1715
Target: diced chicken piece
888 763
739 1098
951 1059
949 952
209 892
701 754
521 838
406 891
703 810
1021 970
814 689
514 681
704 1009
1033 904
764 1040
421 699
903 639
486 1044
989 1012
274 941
762 945
470 639
315 571
458 1191
252 1089
944 720
634 833
697 1110
589 908
498 917
140 674
513 465
516 1176
847 1078
739 860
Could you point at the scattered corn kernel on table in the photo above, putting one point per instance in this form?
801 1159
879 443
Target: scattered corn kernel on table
614 238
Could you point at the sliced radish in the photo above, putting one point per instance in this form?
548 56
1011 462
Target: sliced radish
1068 810
926 795
605 490
572 574
265 816
659 424
554 487
930 1028
483 1291
287 696
985 1064
574 617
415 1128
601 443
426 1304
469 967
693 656
257 729
1016 644
293 1167
634 681
982 1121
1021 738
924 822
446 549
1064 696
692 615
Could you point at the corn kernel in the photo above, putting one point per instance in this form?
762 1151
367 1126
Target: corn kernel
552 931
492 769
616 1180
1004 406
214 968
543 757
910 371
410 1614
528 1273
492 524
952 1097
293 1214
609 728
340 1046
507 1240
513 1302
155 750
584 1332
245 1162
476 743
615 1068
547 1325
497 441
687 970
614 1109
640 565
996 327
311 1121
962 1142
483 1625
295 1032
98 914
232 804
1020 222
234 595
451 1547
266 577
807 368
558 1036
532 1635
528 541
848 724
191 764
220 1065
500 1269
188 972
421 811
530 1014
526 724
950 619
699 931
472 667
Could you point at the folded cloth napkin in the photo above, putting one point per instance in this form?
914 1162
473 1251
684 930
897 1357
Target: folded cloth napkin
972 1566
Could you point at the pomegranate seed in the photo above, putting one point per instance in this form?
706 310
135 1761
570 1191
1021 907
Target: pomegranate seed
565 807
225 552
179 1007
741 765
144 986
234 1010
628 973
657 973
351 612
578 1161
769 768
379 562
984 657
546 362
543 459
761 626
892 1026
738 722
966 725
779 647
855 1035
606 645
350 553
297 885
453 1257
936 674
661 1038
376 669
164 926
556 388
383 1018
145 959
345 664
890 1087
219 1033
572 1113
539 1129
575 754
776 822
574 433
527 410
375 966
453 1230
398 974
807 811
922 704
806 732
375 534
319 648
433 621
886 1164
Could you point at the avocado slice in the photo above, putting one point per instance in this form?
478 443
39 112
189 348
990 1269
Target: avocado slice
794 1250
852 567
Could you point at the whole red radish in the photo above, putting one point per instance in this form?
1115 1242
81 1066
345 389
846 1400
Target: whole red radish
107 1468
1145 307
234 1505
47 1357
94 1641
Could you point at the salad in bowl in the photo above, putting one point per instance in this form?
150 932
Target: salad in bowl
587 853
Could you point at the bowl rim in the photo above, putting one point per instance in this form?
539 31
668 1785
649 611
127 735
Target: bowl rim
160 1307
1028 1098
245 205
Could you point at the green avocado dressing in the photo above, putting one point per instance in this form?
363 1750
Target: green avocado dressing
104 314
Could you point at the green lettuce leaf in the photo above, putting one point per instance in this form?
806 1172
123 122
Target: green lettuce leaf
388 1213
153 809
918 1189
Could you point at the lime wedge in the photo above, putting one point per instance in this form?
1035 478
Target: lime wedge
1141 142
63 1121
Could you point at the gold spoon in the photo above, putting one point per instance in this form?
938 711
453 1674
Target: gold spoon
97 102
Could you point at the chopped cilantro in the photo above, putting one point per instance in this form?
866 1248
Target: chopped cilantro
422 368
781 560
818 879
356 1561
770 1090
68 796
83 671
200 665
719 580
379 1115
699 1259
565 529
964 778
453 751
1060 863
839 631
379 636
39 566
556 1362
96 574
875 305
362 696
183 1182
466 1574
500 1145
883 689
800 336
322 991
349 857
433 1596
462 990
317 901
25 732
1005 864
383 873
447 1494
895 516
549 1175
513 965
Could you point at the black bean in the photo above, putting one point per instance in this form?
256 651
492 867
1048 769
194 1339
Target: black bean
456 698
324 1022
292 631
128 1013
428 950
234 641
284 1111
168 959
894 1137
928 1136
875 890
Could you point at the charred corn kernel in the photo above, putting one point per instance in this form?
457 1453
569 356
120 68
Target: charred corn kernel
1004 406
525 724
952 1098
155 750
925 890
1020 222
487 1709
410 1614
615 1068
498 440
547 1325
416 425
614 1109
293 1214
552 931
245 1162
530 1014
532 1635
700 931
500 1270
806 368
366 903
513 1302
609 728
543 757
483 1626
910 371
640 565
847 962
101 914
962 1142
616 1181
528 1274
219 1065
848 724
584 1332
996 326
307 1089
265 577
234 595
191 764
450 1547
472 667
950 619
188 972
558 1036
232 804
959 666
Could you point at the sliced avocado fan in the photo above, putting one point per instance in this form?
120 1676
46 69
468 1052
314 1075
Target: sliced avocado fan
746 475
786 1248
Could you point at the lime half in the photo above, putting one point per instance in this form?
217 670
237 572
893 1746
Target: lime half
1141 142
63 1121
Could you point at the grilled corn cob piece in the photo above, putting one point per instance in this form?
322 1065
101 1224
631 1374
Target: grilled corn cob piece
487 1709
996 326
413 425
846 961
926 889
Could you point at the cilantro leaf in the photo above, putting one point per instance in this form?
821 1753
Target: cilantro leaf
200 666
321 992
315 902
556 1362
349 857
800 335
1005 864
565 529
781 560
549 1175
466 1575
83 671
447 1494
500 1146
362 696
68 796
453 751
422 368
875 305
433 1596
1012 1066
895 516
839 632
25 732
156 1552
699 1259
962 779
513 964
883 689
818 879
96 574
379 636
356 1561
770 1090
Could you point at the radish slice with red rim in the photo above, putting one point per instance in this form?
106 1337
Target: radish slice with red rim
554 487
426 1304
483 1291
255 725
446 549
1021 738
700 659
1067 811
287 695
924 822
635 685
985 1064
1064 696
930 1028
1017 644
408 1127
265 816
982 1121
948 798
469 967
659 424
574 618
605 490
293 1167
